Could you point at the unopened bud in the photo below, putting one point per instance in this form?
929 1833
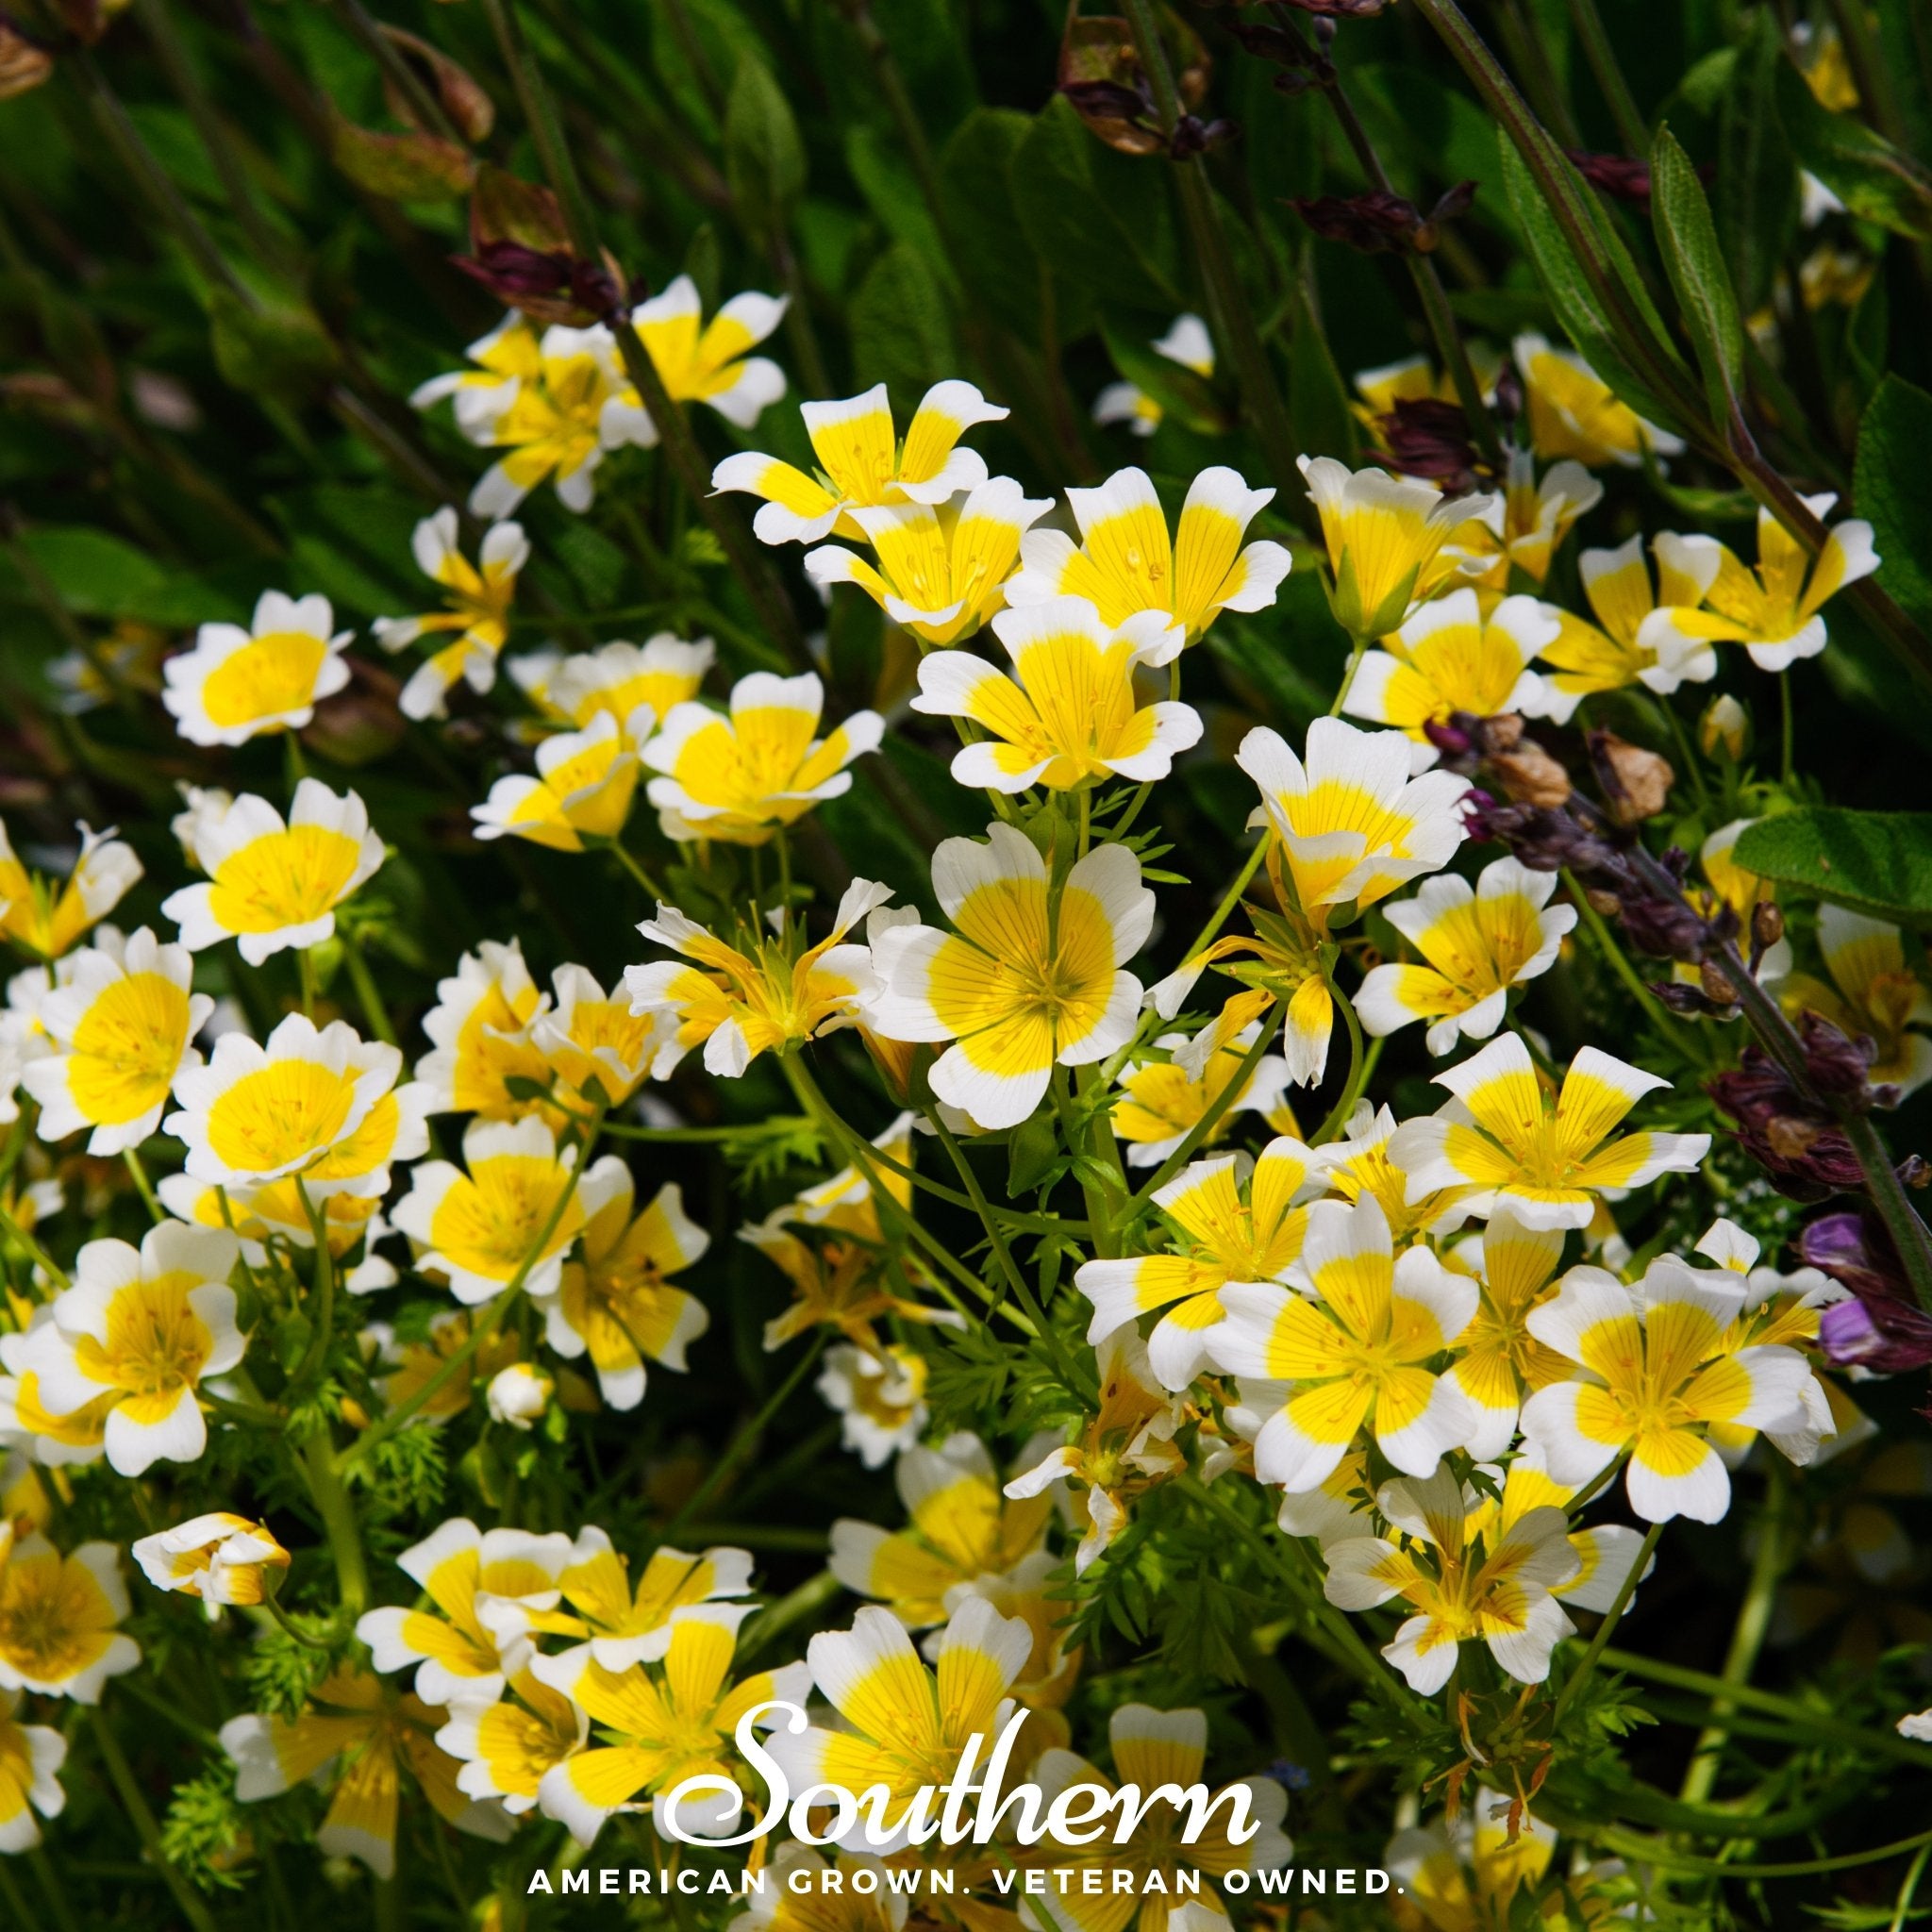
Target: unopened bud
1716 984
1605 904
1767 924
1637 783
1725 723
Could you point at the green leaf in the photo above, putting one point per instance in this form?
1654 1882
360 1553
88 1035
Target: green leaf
992 254
279 351
1756 185
1687 237
96 575
764 157
1317 396
1030 1154
1872 178
1894 490
1876 863
902 327
402 167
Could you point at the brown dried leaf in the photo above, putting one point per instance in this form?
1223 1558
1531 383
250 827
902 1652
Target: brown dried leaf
1531 776
460 94
24 63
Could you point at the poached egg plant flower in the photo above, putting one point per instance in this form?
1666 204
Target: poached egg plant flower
44 916
218 1558
58 1615
1126 561
1069 715
275 884
1019 986
235 684
479 596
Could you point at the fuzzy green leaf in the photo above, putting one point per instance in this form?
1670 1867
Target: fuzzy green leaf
1876 863
764 157
1687 237
1895 490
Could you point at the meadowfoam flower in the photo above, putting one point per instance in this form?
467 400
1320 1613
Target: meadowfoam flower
772 997
1775 609
479 597
1228 1224
1659 1375
509 1213
1162 1753
218 1558
1872 991
352 1721
1365 1163
879 1397
1605 1553
46 918
960 1530
908 1724
502 362
1162 1100
1015 990
130 655
273 884
235 684
1462 1877
479 1030
1449 657
1546 1151
298 1104
710 362
119 1026
403 1370
53 1438
465 1572
1572 412
1069 715
862 464
1385 537
615 1301
518 1396
587 1035
145 1326
658 1730
742 777
1477 944
1493 1589
1354 826
1526 526
1500 1362
1125 561
31 1760
1124 1450
939 572
616 678
57 1620
1635 638
505 1747
1353 1347
583 787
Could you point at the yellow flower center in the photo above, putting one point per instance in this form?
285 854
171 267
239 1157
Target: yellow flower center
127 1047
266 678
283 879
284 1113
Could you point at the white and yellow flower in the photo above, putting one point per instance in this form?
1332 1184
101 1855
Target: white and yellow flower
519 1396
939 572
1499 1360
1605 1552
1069 714
1871 991
1015 989
1127 562
879 1398
1186 344
1353 1347
218 1558
617 677
1449 657
479 1030
53 1439
1635 638
273 883
233 684
1656 1375
57 1620
505 359
31 1760
465 1573
1124 1450
861 463
587 1035
1477 944
619 1626
710 362
1354 825
1231 1220
509 1213
505 1747
742 777
1545 1151
479 597
739 1004
615 1301
319 1104
1367 1161
1524 527
656 1730
960 1530
45 917
583 787
1162 1100
120 1025
353 1721
1572 412
1385 537
1494 1587
142 1328
1464 1877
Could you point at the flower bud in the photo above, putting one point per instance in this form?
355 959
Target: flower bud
1725 723
218 1558
519 1394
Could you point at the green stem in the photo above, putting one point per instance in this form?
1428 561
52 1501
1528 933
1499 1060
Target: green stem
48 1878
1580 1675
142 1186
632 865
1908 1890
305 968
1687 758
287 1625
1229 899
16 1906
1595 923
186 1899
1357 1074
323 1284
1788 729
368 994
1747 1638
332 1504
1650 1852
35 1253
